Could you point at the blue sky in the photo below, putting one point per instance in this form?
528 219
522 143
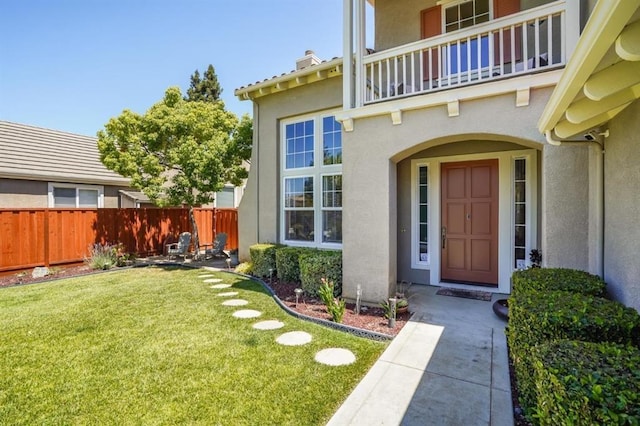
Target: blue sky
71 65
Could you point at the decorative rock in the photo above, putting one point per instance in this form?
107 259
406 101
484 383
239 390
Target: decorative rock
247 313
219 286
335 357
228 294
213 280
40 271
294 338
206 276
235 302
268 325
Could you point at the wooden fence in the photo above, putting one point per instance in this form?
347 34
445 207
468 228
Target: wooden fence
44 237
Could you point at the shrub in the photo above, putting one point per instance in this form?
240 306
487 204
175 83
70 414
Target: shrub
263 257
550 279
318 264
245 268
335 306
288 263
102 256
585 383
539 317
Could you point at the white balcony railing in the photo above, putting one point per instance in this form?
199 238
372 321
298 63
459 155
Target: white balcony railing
526 42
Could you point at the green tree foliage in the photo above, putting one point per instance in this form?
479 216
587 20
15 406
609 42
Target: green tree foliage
177 153
207 89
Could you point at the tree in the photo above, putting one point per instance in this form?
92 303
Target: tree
207 89
178 152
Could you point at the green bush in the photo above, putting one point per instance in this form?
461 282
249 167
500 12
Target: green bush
318 264
263 257
540 317
580 383
551 279
245 268
288 263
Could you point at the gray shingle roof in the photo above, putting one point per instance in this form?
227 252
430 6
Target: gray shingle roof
34 153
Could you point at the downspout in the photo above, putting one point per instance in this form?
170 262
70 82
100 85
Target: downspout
256 127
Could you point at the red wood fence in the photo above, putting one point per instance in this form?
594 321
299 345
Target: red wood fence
43 237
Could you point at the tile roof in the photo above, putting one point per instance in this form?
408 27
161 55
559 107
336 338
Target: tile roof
35 153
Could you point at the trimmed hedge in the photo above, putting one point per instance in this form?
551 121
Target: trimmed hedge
584 383
288 263
263 257
317 264
539 317
551 279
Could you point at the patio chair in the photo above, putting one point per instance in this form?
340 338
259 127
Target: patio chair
216 248
181 248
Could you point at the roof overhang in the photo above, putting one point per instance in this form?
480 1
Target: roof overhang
276 84
602 76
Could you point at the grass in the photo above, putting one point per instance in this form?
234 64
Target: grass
155 346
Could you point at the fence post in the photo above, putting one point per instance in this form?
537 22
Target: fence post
46 238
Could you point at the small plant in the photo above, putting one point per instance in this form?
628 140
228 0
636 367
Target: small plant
535 256
245 268
335 305
386 306
21 276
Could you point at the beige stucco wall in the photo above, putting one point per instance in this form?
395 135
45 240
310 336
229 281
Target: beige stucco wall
565 241
622 207
370 225
258 213
18 194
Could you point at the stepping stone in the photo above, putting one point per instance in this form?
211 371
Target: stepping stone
213 280
219 286
294 338
206 276
235 302
335 357
247 313
268 325
228 294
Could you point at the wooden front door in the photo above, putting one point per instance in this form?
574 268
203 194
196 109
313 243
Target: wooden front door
469 216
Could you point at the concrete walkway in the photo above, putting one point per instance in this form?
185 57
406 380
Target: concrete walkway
448 366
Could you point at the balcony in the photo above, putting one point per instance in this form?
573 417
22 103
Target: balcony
531 41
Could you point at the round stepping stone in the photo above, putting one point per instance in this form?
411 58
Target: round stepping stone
247 313
228 294
335 357
294 338
206 276
219 286
213 280
235 302
268 325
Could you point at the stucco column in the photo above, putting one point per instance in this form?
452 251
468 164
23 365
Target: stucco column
368 222
565 206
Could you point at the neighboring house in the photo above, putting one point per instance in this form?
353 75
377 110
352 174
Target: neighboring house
42 168
428 163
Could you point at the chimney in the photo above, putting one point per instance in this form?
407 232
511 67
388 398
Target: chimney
307 60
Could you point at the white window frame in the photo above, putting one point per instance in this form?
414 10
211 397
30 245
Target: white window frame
77 187
318 171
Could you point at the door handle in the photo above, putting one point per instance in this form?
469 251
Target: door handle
444 237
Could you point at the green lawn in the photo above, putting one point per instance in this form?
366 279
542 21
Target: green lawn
155 346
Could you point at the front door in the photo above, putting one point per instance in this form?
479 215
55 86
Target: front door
469 220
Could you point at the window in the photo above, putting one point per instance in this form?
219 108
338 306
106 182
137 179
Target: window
312 190
226 197
519 212
465 56
332 209
420 253
299 145
70 196
332 141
